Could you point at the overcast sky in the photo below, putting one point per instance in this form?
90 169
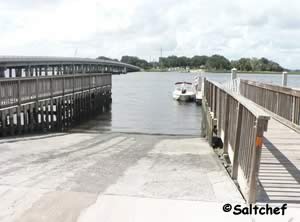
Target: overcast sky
233 28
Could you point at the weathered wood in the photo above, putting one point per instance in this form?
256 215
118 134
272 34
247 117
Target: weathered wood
255 161
282 101
235 160
3 122
240 123
225 119
279 174
48 103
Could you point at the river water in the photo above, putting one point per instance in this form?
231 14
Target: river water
143 103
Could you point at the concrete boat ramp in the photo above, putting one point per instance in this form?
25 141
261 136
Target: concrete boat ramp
112 177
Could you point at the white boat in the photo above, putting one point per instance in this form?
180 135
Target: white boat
184 91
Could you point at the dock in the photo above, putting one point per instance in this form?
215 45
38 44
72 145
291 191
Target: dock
279 173
259 125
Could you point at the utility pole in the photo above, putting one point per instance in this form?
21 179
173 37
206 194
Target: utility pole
161 54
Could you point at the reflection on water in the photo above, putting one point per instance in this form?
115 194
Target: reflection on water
142 102
99 123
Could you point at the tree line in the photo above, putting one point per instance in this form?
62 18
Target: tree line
212 63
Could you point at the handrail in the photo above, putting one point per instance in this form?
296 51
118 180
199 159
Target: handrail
232 85
275 88
17 91
259 113
240 125
282 101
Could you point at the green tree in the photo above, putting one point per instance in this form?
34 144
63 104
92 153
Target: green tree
133 60
254 64
197 61
107 58
218 62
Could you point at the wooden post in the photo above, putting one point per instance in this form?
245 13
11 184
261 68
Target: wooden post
10 72
31 118
235 161
255 161
46 114
90 96
11 122
284 78
63 104
294 115
226 124
58 114
4 122
233 73
2 72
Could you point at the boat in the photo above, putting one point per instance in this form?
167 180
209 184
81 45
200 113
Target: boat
184 91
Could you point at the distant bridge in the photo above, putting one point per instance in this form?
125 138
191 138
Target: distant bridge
24 66
53 93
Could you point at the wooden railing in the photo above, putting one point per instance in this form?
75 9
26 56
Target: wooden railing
240 125
16 91
233 85
283 101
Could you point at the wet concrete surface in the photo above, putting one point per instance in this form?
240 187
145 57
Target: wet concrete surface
63 177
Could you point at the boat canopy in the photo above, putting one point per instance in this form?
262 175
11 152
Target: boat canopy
189 83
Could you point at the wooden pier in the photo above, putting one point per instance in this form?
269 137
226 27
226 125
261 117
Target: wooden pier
40 94
259 126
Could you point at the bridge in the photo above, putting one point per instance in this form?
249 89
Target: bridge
53 93
259 125
28 66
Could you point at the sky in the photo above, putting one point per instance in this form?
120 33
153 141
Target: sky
112 28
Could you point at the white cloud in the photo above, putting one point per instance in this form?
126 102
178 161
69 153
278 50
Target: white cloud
236 28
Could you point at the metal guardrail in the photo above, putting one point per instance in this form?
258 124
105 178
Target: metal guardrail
241 125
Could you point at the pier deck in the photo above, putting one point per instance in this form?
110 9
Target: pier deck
279 173
111 177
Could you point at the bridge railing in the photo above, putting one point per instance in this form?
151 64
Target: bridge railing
27 66
17 91
283 101
241 127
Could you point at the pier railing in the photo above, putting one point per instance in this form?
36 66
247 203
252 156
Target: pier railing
241 126
51 103
16 91
283 101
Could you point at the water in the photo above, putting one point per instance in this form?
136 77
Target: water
143 103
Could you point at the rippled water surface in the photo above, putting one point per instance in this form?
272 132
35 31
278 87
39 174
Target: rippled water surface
143 103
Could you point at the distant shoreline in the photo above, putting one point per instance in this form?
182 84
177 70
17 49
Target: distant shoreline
225 71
